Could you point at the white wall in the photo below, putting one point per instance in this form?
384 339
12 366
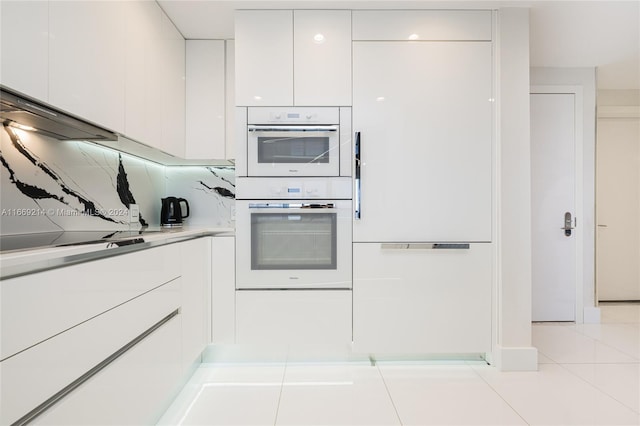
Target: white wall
585 78
513 340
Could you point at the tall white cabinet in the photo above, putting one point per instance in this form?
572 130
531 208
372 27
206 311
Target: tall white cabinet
423 110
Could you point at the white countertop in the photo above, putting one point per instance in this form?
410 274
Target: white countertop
21 262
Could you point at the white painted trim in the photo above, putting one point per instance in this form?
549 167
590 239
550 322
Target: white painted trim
496 317
579 186
609 111
515 358
591 315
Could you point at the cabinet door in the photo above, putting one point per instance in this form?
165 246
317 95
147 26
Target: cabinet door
25 47
172 90
264 57
432 25
223 290
322 57
205 99
418 300
295 317
424 113
196 279
230 99
86 60
143 85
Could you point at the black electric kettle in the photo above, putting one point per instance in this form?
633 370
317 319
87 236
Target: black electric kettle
171 213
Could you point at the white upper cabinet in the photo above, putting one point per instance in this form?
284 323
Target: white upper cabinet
205 99
154 79
25 47
119 64
322 57
264 57
172 90
230 99
416 25
286 58
86 60
143 84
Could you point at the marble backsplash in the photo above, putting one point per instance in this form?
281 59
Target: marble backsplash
50 185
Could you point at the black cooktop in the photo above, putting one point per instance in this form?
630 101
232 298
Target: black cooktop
65 238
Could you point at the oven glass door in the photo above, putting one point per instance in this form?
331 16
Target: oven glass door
293 241
293 150
294 244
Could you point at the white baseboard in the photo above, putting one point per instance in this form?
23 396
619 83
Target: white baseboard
515 358
591 315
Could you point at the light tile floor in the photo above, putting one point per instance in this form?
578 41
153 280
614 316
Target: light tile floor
589 374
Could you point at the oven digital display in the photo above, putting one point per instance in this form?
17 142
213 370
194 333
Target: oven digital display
293 190
293 115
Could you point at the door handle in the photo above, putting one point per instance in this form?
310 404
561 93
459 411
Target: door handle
358 178
568 222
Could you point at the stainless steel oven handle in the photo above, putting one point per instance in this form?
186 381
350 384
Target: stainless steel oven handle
257 128
290 206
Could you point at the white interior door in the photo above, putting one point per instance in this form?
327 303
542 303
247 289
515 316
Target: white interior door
618 209
553 195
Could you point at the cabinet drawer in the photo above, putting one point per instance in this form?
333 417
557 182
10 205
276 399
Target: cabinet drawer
293 317
417 301
134 390
31 377
432 25
37 306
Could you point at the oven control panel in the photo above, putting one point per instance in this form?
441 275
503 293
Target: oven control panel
293 115
293 189
299 190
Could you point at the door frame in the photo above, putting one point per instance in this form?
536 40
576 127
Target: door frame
579 186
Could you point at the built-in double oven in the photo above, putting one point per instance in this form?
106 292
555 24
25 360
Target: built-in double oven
293 199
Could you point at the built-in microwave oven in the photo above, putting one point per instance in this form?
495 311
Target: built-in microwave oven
296 141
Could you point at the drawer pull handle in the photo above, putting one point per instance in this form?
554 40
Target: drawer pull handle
27 418
425 246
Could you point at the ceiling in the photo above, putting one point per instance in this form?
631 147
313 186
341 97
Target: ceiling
602 34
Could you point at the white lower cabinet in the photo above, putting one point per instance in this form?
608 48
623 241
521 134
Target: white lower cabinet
412 299
293 316
196 276
223 290
131 391
127 328
31 377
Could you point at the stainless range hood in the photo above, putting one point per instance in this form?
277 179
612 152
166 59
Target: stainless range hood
24 112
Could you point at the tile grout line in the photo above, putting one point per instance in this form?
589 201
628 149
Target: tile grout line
377 367
497 393
602 342
284 372
593 384
624 352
